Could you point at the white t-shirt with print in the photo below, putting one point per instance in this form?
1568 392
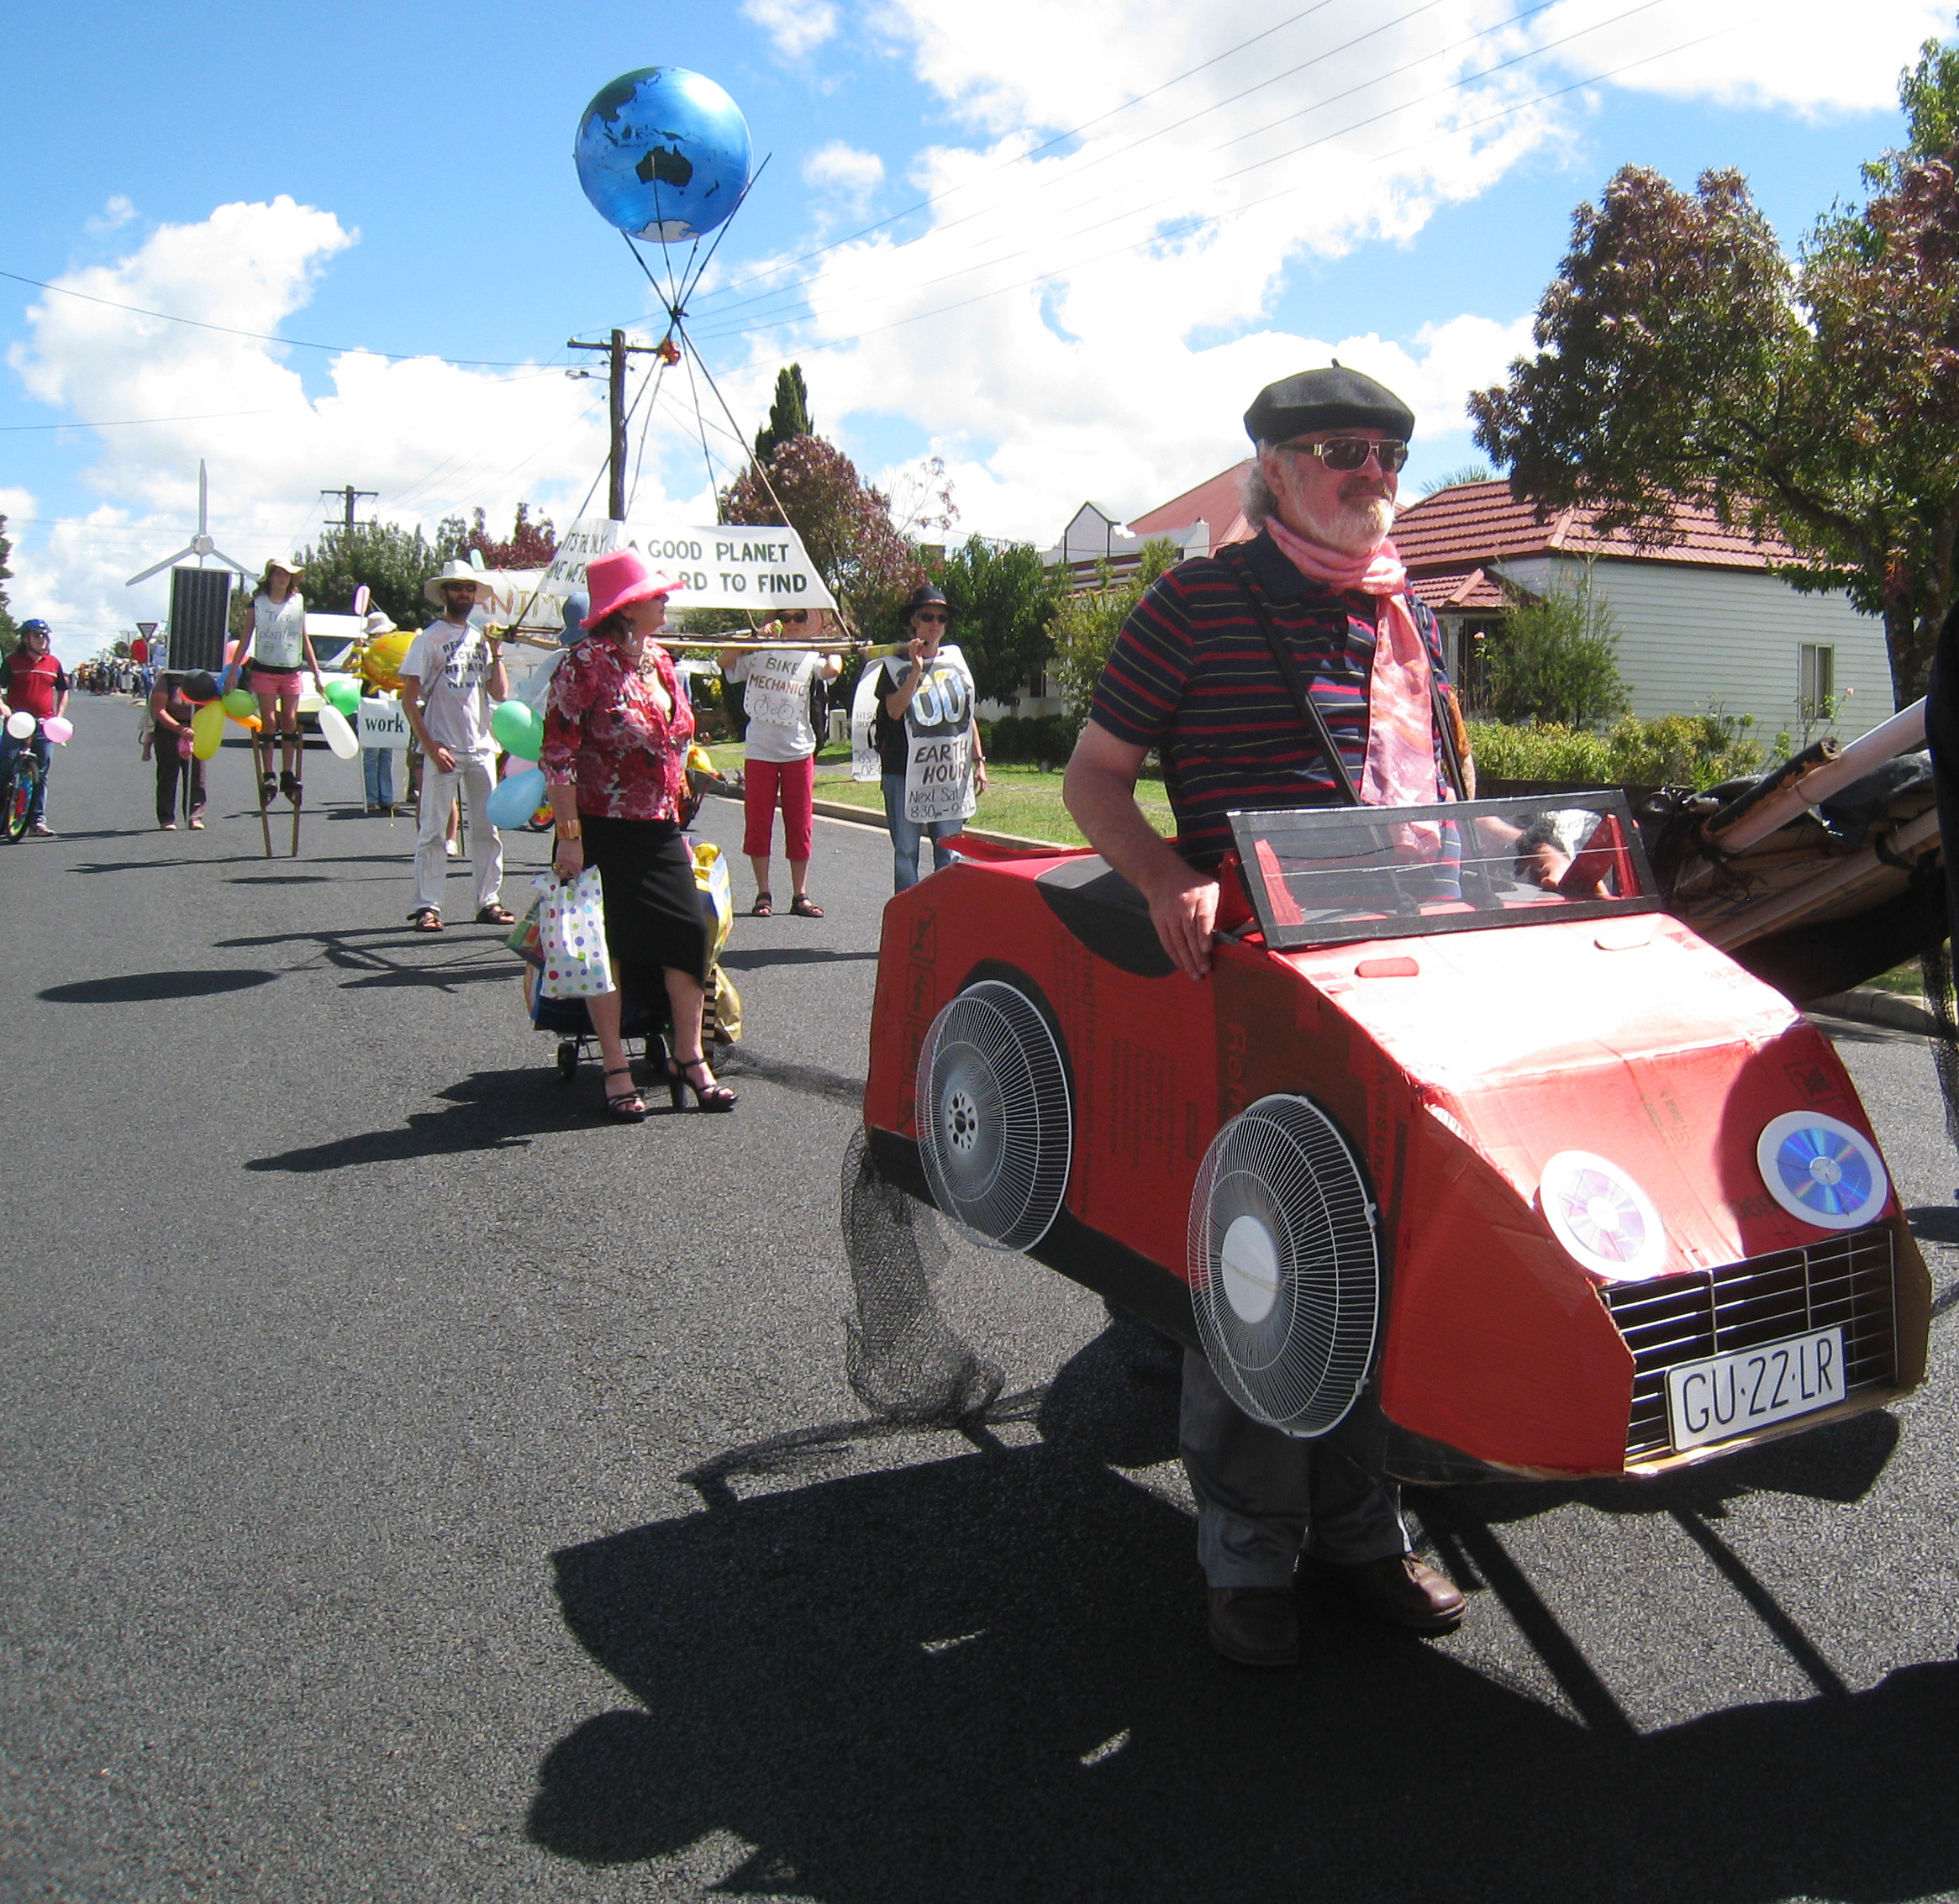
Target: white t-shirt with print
278 632
452 664
777 699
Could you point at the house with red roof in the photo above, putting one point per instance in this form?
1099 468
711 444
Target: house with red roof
1702 618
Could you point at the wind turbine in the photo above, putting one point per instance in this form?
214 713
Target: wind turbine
200 544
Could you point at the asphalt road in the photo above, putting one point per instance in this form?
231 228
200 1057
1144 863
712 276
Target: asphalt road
412 1489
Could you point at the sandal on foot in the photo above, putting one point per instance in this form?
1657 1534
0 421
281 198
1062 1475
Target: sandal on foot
626 1107
709 1096
425 919
495 915
804 907
763 909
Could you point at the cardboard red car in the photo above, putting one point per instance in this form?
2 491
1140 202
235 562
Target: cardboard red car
1464 1145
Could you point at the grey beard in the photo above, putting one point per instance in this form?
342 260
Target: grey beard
1354 529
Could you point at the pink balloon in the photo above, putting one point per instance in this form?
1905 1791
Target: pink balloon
58 730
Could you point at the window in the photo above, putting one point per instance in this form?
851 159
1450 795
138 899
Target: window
1816 668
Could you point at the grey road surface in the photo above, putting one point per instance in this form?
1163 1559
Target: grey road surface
412 1489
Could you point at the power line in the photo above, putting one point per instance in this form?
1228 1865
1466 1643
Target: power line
1190 226
1153 205
269 337
132 422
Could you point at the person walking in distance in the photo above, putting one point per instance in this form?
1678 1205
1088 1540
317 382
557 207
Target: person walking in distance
1196 673
452 674
779 751
928 739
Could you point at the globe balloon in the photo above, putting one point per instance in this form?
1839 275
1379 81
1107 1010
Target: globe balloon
239 704
345 695
519 729
515 799
663 153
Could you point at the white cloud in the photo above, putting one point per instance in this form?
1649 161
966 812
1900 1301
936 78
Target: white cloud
113 216
433 438
1089 316
845 173
796 26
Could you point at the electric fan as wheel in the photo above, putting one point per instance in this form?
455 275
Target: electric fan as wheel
994 1120
1285 1269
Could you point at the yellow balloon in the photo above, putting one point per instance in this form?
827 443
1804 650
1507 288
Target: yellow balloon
207 729
381 657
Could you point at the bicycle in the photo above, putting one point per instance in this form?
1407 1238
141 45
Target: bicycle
24 781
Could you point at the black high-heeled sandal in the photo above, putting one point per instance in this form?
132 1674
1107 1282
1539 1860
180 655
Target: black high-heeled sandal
627 1106
710 1097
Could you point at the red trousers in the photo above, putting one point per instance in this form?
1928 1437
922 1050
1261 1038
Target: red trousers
793 784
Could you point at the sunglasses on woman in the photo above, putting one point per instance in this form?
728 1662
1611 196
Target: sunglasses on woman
1348 453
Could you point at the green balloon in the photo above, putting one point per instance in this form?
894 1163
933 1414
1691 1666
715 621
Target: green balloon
345 695
240 705
519 729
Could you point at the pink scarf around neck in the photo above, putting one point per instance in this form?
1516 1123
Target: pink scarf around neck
1400 770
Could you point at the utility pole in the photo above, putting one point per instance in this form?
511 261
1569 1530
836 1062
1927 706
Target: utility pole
348 496
616 352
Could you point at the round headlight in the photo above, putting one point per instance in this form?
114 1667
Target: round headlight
1821 1171
1602 1217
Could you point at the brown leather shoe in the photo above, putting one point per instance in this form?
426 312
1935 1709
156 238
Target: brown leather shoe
1256 1626
1404 1591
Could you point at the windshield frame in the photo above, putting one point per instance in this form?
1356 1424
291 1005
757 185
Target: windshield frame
1275 825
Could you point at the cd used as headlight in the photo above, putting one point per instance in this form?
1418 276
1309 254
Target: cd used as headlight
1604 1218
1821 1171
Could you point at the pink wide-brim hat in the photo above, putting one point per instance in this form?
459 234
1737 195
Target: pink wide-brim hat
613 581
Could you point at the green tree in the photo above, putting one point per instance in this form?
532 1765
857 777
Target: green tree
1468 472
392 561
1555 661
1085 627
788 414
845 524
10 634
1683 357
1002 599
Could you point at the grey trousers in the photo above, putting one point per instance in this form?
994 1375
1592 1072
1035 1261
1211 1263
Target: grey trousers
1264 1498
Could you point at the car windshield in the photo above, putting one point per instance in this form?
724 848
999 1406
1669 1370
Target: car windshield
1318 875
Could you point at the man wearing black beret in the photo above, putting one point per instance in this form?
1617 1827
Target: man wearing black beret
1361 716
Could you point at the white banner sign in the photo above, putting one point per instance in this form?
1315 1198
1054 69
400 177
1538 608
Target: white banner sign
725 566
383 722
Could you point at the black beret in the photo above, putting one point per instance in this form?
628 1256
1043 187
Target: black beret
1335 398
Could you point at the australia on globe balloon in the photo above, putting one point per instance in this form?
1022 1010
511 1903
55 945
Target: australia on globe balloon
663 153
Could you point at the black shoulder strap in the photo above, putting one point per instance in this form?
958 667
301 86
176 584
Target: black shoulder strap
1310 718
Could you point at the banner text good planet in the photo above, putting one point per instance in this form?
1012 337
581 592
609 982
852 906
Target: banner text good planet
723 566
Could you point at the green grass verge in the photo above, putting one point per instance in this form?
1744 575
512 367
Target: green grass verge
1018 800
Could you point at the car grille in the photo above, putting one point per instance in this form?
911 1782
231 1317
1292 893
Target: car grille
1846 1283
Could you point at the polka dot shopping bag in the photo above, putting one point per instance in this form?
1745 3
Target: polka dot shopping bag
576 964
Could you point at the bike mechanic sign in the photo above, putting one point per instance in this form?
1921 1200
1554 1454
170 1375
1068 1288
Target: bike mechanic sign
725 566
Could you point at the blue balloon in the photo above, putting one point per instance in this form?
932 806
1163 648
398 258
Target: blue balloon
516 799
663 153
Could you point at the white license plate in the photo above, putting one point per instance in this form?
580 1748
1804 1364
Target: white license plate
1752 1388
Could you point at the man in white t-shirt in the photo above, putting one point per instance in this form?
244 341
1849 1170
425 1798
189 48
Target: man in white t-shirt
780 752
451 678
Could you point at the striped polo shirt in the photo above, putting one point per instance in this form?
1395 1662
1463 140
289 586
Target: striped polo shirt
1190 674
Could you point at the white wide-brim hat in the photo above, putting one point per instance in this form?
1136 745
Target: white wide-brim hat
291 564
456 572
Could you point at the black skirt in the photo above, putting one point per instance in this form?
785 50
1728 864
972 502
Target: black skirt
653 914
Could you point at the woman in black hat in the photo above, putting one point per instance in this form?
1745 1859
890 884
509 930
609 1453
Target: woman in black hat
928 739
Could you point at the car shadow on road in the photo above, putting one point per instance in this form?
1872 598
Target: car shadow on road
985 1677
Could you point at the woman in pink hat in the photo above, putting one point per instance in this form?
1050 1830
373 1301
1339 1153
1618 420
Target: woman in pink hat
617 726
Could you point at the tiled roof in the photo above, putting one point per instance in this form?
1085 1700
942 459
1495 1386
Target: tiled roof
1476 523
1219 503
1452 588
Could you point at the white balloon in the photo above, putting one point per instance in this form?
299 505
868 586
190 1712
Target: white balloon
21 725
337 735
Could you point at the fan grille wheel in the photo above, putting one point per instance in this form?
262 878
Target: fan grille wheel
1285 1265
995 1122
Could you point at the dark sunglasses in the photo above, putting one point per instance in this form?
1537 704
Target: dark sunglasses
927 615
1348 453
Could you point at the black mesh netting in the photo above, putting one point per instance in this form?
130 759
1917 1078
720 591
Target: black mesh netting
905 1362
1935 969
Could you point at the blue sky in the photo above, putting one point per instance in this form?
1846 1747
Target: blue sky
1063 354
